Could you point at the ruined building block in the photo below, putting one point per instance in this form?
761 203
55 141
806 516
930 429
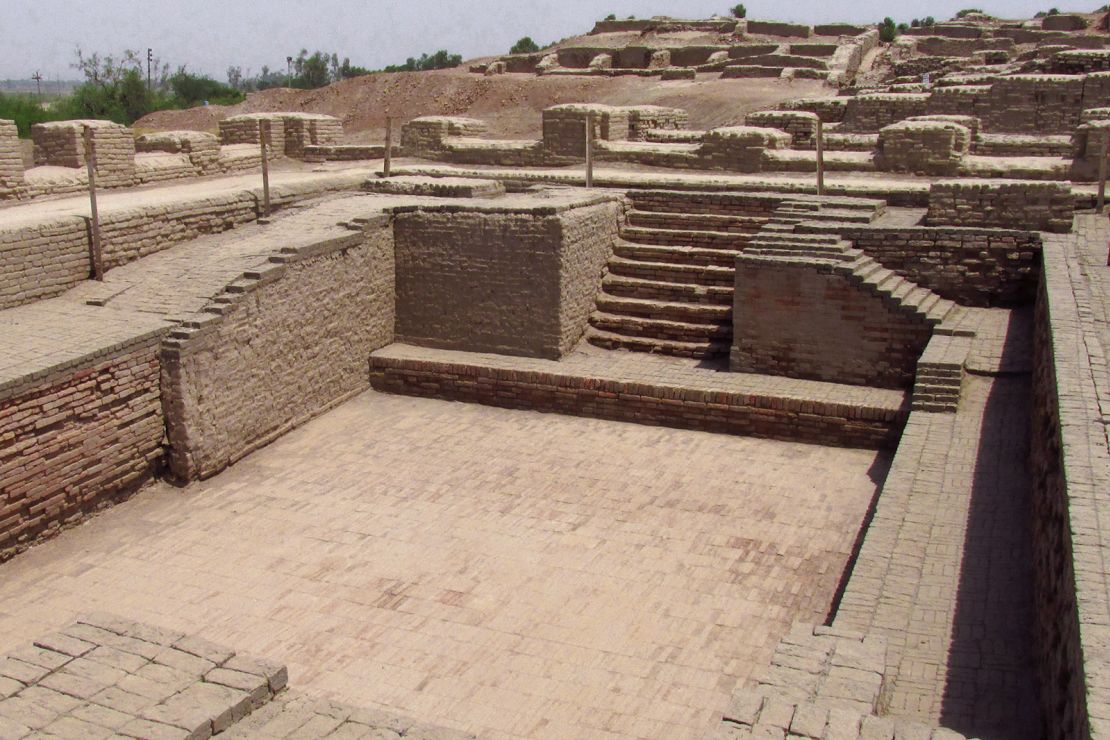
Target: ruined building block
971 123
740 148
243 129
424 136
1063 22
564 127
202 149
924 147
873 111
801 125
1012 204
1041 104
309 129
644 118
11 161
61 144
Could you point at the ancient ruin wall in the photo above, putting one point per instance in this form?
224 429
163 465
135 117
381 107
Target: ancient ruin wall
1020 204
293 342
517 283
1068 464
798 322
923 147
76 440
972 266
11 161
61 144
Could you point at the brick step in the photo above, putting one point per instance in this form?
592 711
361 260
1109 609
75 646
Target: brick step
765 237
899 293
676 255
696 221
826 214
680 331
700 350
663 272
699 313
629 287
685 238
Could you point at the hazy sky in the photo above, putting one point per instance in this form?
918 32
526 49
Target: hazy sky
209 36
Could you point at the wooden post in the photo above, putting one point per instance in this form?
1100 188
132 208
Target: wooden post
820 157
1102 175
90 165
388 166
263 139
589 150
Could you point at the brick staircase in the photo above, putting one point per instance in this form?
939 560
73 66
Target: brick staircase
827 252
668 288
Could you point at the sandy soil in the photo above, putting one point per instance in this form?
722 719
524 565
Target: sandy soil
510 103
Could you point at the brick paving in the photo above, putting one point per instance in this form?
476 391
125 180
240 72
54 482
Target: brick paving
512 574
945 571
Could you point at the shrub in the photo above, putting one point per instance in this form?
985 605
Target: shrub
440 60
611 17
189 90
888 31
968 11
739 11
525 46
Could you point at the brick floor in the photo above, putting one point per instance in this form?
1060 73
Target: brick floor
505 573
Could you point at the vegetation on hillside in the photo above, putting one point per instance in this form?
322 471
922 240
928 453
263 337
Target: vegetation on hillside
739 11
525 46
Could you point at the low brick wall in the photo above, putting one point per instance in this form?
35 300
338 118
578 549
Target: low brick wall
77 439
424 136
776 28
644 118
971 266
11 161
1023 204
740 148
244 129
564 127
923 147
202 149
873 111
288 342
830 110
62 144
801 125
308 129
1041 104
804 321
519 281
746 414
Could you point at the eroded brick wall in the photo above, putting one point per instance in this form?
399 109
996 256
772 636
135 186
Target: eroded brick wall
11 161
294 342
799 322
77 440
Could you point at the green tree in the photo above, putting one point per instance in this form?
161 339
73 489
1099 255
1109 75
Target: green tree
525 46
888 31
739 11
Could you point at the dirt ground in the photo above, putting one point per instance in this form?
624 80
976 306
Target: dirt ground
511 103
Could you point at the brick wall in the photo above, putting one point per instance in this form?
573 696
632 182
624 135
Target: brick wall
244 129
307 129
797 321
202 149
873 111
76 440
1068 464
424 136
61 144
11 161
564 127
923 147
643 118
291 342
960 100
801 125
518 283
831 110
972 266
1021 204
1044 104
774 28
740 148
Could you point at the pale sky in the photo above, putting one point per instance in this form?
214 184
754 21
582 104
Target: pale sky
209 36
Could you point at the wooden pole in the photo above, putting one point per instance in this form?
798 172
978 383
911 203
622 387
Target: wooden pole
589 150
820 157
90 165
263 139
388 166
1102 175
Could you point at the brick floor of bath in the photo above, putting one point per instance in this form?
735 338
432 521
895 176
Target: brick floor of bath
509 573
